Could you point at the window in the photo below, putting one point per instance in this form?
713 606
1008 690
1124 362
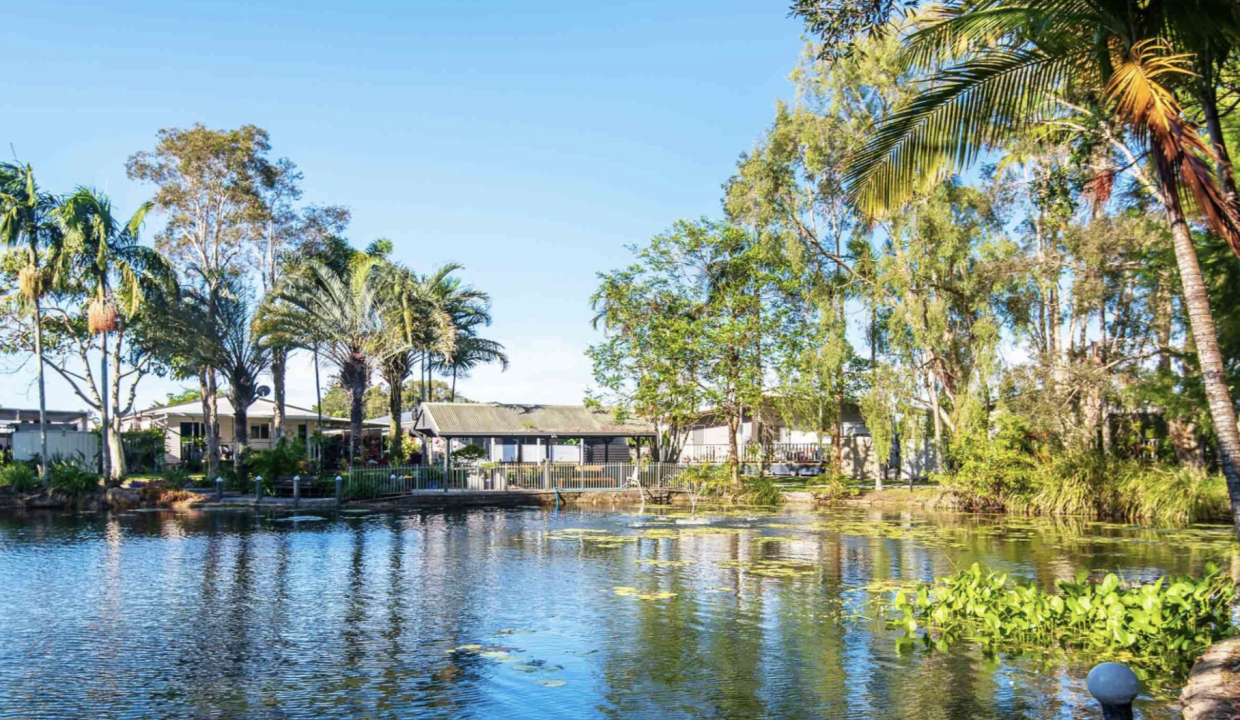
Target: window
260 432
193 430
303 431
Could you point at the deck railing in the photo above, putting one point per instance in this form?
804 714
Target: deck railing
753 453
366 483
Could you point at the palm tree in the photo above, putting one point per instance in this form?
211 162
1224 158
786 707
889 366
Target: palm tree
241 358
470 353
116 273
26 219
342 314
417 313
1002 67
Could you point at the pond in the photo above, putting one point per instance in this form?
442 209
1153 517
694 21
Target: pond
530 613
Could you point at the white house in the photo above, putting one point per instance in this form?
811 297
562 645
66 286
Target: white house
184 430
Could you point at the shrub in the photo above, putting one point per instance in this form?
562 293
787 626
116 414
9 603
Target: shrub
1162 624
836 487
69 478
176 478
760 491
20 478
288 457
469 453
144 449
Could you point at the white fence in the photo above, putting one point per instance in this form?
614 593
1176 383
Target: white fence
81 448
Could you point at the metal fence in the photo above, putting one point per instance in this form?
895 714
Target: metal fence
365 483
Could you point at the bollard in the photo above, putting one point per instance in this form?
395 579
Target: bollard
296 491
219 489
258 488
339 494
1114 686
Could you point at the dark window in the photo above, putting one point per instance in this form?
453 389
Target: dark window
303 431
193 430
260 432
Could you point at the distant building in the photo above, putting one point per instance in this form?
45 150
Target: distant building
184 429
518 433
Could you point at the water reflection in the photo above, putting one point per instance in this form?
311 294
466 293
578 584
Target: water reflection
162 615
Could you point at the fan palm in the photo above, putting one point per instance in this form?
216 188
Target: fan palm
342 314
241 358
999 68
116 274
26 221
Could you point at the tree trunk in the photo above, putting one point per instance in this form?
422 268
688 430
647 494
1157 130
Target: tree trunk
38 352
395 410
734 452
210 421
105 449
453 384
241 435
279 363
318 392
357 401
1209 358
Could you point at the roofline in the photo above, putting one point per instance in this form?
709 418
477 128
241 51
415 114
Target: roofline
550 433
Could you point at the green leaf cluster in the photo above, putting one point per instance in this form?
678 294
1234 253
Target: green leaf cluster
1160 625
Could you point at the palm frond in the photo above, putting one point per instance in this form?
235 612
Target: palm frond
969 108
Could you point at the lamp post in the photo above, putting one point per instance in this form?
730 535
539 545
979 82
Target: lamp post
1114 686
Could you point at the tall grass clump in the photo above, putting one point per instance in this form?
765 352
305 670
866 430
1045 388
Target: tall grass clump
1093 485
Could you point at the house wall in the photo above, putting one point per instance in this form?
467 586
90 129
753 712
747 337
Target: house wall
172 433
64 441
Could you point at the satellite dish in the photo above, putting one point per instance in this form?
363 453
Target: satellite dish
263 391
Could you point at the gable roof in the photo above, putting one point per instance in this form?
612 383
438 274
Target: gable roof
486 419
259 409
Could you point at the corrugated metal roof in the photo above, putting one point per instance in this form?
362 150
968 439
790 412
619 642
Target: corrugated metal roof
504 419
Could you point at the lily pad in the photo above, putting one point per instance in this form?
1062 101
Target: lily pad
301 518
553 683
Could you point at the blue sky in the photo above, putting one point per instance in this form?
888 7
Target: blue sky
529 141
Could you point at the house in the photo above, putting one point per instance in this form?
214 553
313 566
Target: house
789 446
518 433
183 426
68 433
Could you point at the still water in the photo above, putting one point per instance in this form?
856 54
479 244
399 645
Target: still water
529 613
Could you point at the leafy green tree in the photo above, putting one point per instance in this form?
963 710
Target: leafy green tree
282 233
687 325
208 185
1102 67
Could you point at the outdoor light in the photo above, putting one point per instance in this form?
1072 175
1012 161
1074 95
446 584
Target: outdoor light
1114 686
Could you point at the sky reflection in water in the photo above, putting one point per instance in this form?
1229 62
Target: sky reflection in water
528 614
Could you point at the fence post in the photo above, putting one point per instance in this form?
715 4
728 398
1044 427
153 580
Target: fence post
1114 686
546 473
219 489
296 491
339 493
258 488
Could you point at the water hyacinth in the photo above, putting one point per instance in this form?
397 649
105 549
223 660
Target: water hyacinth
1164 624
